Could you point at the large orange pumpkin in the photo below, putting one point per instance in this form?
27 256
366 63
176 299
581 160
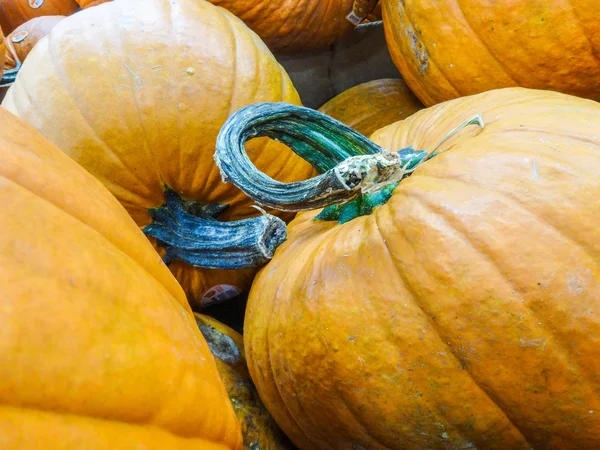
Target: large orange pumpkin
259 430
370 106
20 42
462 313
448 49
16 12
302 25
99 348
162 87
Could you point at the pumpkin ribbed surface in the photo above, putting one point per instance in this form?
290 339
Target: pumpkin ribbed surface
166 75
296 26
446 49
16 12
98 346
464 312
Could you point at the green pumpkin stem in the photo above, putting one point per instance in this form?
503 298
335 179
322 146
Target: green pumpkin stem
355 173
189 232
349 163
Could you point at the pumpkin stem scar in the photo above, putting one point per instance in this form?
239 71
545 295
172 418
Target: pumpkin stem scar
190 232
10 76
355 173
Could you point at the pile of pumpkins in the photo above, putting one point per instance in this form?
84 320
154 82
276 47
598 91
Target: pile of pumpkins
155 161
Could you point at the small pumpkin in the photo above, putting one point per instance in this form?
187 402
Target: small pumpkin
445 50
259 430
372 105
14 13
453 300
302 25
99 345
162 87
24 37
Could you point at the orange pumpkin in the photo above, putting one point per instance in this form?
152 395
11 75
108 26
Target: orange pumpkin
99 345
90 3
300 25
16 12
373 105
24 37
445 50
162 87
2 53
259 430
462 313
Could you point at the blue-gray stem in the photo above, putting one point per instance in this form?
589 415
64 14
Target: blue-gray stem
351 165
189 232
9 76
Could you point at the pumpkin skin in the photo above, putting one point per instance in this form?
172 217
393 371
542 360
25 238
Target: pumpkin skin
373 105
537 44
2 52
464 312
113 356
169 92
259 430
89 3
35 29
291 27
16 12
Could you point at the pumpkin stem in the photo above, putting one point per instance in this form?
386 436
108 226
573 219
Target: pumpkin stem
9 76
189 232
477 119
356 174
349 163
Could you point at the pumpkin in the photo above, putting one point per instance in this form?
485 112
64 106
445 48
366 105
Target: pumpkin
462 308
16 12
2 53
90 3
446 50
259 430
370 106
99 344
162 87
299 26
24 37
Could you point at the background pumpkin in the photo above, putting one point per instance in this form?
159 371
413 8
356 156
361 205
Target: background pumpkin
16 12
99 344
449 49
259 430
2 52
462 313
163 86
370 106
20 42
90 3
24 37
294 26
